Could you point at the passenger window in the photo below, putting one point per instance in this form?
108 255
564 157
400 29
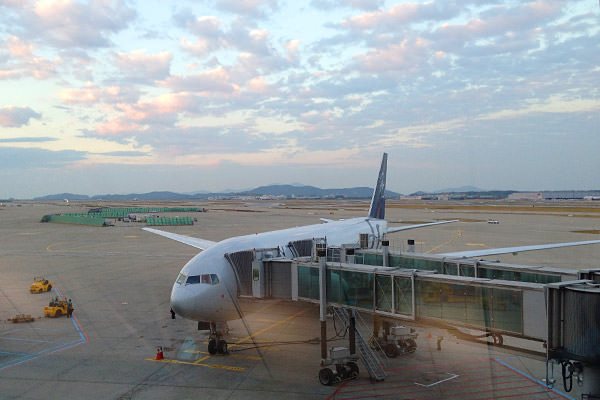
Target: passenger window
193 279
206 278
214 278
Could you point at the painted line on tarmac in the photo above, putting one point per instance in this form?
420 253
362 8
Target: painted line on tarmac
501 362
458 236
196 363
243 357
238 343
281 321
59 346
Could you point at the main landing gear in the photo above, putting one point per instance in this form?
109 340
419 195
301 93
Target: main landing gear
216 343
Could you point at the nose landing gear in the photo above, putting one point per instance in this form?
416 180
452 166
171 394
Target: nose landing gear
216 343
217 346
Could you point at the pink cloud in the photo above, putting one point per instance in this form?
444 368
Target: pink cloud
18 48
72 23
115 126
171 103
502 20
23 62
407 56
401 14
292 49
89 94
259 85
142 66
215 82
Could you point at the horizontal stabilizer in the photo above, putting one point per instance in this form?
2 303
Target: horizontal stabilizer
518 249
404 228
189 240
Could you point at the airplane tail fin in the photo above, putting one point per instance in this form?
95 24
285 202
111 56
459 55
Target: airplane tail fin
377 209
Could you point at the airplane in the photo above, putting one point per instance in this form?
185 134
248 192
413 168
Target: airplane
206 288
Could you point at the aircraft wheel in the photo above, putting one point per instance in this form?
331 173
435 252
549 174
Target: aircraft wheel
222 347
498 339
212 346
342 372
326 376
390 350
354 371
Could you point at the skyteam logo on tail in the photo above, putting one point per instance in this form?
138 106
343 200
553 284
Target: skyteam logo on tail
377 209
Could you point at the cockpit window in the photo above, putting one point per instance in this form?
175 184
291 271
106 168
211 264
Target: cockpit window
210 279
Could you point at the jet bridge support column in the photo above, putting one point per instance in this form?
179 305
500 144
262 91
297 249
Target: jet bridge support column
386 252
322 254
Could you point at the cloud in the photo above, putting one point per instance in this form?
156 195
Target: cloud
215 82
359 4
28 140
22 62
20 158
91 94
401 14
140 67
14 117
249 8
405 56
124 154
69 23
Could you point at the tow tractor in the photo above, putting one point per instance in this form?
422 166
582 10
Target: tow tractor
399 339
40 285
346 366
56 308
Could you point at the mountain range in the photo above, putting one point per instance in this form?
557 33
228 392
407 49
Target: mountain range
288 191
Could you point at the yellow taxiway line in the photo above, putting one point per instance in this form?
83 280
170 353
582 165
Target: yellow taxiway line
458 235
281 321
239 343
198 363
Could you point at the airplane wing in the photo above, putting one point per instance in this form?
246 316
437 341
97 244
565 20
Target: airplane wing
189 240
518 249
403 228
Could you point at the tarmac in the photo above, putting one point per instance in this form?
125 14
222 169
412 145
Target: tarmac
120 278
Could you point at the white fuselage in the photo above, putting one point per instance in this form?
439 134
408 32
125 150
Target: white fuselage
206 300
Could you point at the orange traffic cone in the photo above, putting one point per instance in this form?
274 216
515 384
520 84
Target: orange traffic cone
159 353
429 336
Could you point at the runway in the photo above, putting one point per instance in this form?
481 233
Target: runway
120 277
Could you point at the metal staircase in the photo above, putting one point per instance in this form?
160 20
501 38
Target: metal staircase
369 358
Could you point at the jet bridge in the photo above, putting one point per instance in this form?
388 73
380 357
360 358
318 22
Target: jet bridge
500 299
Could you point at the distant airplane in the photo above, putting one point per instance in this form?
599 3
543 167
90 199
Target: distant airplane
206 288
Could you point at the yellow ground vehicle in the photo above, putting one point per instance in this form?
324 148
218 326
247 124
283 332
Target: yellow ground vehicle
56 308
40 285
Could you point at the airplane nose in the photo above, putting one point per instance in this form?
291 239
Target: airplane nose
178 302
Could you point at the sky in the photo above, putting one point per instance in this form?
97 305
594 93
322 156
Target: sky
102 97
